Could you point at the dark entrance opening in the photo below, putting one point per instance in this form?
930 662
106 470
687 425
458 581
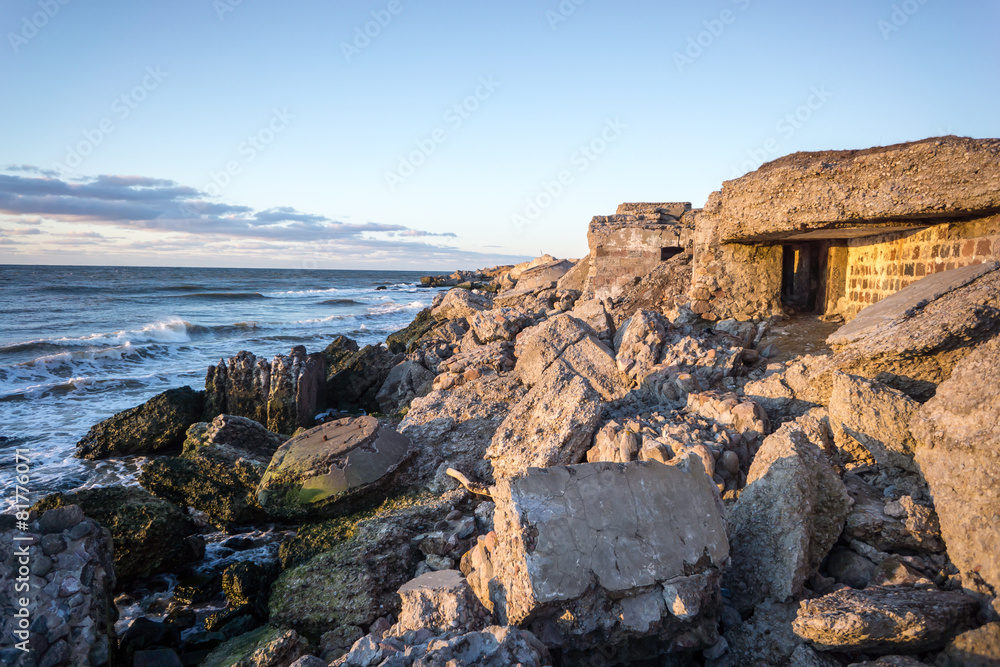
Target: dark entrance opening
668 252
801 276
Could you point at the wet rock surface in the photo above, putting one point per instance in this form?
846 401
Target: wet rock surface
155 426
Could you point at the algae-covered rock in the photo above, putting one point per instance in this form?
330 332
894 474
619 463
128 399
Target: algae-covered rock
404 340
155 426
266 646
219 470
354 582
150 535
354 383
326 470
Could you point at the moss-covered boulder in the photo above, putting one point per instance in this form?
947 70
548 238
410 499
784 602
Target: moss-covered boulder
327 470
150 535
266 646
218 471
405 340
158 425
367 558
353 383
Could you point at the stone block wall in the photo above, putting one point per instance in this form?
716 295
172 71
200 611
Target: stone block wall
878 266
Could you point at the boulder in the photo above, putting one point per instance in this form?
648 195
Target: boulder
499 324
884 619
282 395
341 348
328 469
552 425
354 579
407 380
869 415
543 276
70 601
790 390
461 304
600 554
453 428
595 313
266 646
354 383
150 535
218 471
765 638
405 340
959 456
538 347
943 177
576 278
440 602
639 344
492 647
155 426
974 648
786 519
911 524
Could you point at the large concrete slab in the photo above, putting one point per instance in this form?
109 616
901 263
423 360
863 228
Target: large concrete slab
907 301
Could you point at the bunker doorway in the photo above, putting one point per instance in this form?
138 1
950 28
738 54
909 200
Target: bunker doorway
801 276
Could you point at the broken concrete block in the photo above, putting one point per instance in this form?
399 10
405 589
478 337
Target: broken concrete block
461 304
539 346
959 455
317 473
440 602
552 425
867 413
786 519
601 552
883 619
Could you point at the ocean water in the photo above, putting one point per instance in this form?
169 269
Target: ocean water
78 344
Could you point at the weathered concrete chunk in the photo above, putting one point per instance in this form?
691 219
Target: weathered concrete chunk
959 455
935 178
543 276
155 426
282 395
461 304
552 425
640 344
642 540
868 414
440 602
318 472
883 619
792 390
910 526
542 344
786 520
906 302
499 324
594 361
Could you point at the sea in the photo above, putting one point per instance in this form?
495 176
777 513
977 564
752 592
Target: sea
79 344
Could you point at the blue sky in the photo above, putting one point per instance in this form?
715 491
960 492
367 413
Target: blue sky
453 134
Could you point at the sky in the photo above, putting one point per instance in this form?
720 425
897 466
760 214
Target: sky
437 135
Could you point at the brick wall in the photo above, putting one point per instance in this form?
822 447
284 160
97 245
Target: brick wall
878 266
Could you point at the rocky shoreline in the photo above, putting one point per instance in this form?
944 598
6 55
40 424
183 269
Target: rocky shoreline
559 464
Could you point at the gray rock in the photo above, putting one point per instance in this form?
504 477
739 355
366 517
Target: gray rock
538 347
766 638
499 324
552 425
602 552
407 380
318 473
883 619
959 455
461 304
866 414
440 602
850 568
353 384
786 519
